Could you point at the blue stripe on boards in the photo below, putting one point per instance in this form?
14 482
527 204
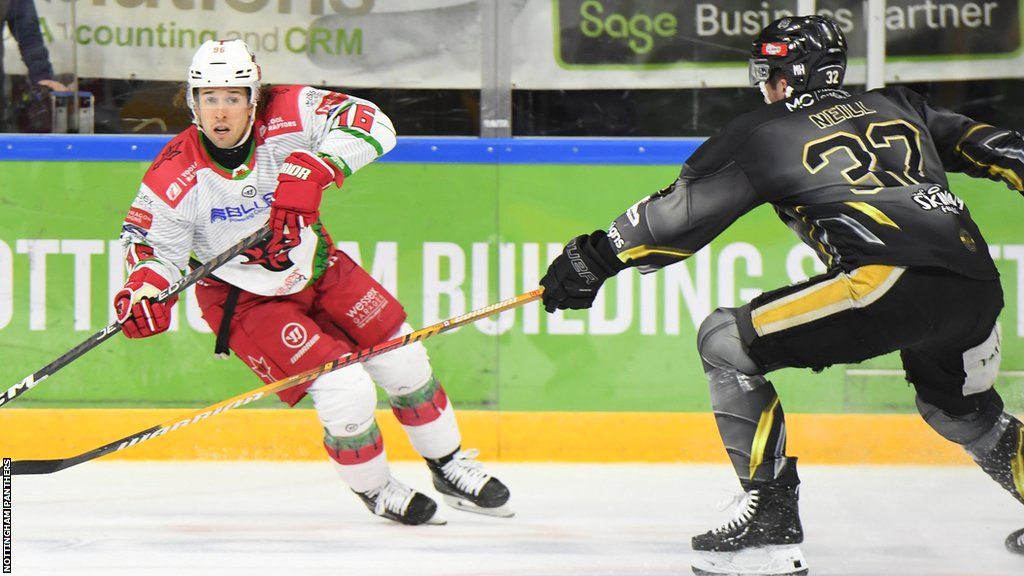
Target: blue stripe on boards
414 150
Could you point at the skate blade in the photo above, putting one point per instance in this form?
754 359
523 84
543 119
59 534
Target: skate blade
436 520
467 506
762 561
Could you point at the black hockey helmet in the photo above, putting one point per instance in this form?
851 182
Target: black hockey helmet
809 50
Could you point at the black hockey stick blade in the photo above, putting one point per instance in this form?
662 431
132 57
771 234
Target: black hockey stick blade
103 335
25 467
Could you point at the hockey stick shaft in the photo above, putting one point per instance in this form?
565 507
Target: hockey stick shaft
103 335
50 466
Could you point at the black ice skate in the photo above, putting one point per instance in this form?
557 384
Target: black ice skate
1015 542
465 486
762 538
398 502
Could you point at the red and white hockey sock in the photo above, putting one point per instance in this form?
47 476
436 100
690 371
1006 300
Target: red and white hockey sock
428 419
360 460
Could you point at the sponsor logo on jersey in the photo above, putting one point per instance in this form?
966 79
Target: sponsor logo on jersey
294 278
633 213
367 308
938 198
313 96
173 191
615 236
800 101
293 335
139 217
241 212
279 123
180 185
249 192
294 170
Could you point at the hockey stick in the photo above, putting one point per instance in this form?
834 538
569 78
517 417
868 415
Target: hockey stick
103 335
50 466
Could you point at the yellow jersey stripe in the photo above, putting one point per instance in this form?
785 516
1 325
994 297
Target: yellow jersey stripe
873 213
637 252
857 289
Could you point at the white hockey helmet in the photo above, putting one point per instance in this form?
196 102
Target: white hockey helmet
223 63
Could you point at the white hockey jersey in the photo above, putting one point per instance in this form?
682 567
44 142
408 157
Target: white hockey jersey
188 204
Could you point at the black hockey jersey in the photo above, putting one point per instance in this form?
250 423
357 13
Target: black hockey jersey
860 179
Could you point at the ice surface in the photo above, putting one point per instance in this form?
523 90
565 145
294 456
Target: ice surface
297 519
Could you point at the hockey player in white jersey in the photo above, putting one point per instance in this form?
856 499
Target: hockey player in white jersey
297 302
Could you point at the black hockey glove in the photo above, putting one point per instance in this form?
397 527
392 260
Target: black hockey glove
575 276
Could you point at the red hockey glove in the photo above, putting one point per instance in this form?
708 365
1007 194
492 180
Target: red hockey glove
300 186
575 276
138 314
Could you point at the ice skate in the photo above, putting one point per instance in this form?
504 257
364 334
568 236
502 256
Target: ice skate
465 485
761 538
1015 542
398 502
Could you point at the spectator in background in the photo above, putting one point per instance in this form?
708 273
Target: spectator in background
21 17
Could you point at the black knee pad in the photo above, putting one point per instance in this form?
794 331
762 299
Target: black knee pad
964 428
720 345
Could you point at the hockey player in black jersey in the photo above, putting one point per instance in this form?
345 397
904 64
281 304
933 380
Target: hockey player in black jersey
862 181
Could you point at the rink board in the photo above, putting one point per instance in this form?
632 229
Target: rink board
260 434
452 225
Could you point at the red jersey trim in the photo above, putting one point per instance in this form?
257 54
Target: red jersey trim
172 175
280 114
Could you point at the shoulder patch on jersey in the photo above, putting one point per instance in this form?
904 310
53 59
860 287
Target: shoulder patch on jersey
280 114
173 173
329 101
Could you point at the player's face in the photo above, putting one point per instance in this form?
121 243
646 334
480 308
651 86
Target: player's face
224 114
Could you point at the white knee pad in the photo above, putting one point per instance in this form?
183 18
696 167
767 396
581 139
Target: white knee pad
981 364
345 400
401 371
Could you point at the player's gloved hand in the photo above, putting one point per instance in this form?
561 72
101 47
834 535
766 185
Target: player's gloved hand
575 276
140 316
300 186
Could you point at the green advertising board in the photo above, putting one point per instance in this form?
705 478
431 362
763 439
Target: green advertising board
448 238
